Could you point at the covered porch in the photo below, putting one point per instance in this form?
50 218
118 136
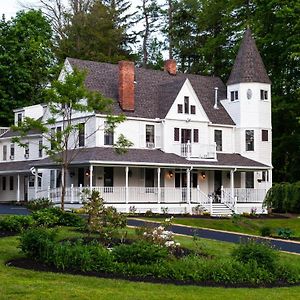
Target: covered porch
164 184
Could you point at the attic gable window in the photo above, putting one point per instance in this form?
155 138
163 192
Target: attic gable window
193 109
234 95
179 108
263 95
186 105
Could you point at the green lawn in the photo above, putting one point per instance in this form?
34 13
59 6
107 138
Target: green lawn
23 284
243 225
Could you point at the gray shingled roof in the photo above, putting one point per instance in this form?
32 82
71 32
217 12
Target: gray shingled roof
16 166
144 156
155 91
12 133
248 65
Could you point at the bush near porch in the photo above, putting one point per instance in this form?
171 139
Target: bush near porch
284 197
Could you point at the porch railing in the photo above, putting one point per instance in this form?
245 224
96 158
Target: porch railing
196 150
245 195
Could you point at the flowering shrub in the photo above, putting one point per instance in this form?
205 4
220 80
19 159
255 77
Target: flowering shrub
160 235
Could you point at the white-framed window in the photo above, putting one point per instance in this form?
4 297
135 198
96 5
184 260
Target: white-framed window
12 151
4 152
218 139
81 135
249 137
234 95
108 135
263 95
19 118
150 136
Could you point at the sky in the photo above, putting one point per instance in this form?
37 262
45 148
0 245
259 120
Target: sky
10 7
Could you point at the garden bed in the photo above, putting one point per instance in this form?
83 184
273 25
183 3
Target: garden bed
30 264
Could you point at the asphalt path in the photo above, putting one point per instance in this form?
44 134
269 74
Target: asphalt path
223 236
189 231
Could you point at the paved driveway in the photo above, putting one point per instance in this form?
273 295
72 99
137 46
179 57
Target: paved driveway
223 236
10 209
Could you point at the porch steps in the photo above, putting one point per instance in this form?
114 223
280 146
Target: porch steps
220 209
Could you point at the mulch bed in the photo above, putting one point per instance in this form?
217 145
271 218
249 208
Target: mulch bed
29 264
7 233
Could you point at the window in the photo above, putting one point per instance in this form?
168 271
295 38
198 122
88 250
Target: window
186 105
263 95
58 135
81 135
52 138
234 95
11 183
149 178
40 179
19 119
108 135
52 178
196 135
108 177
176 134
58 178
249 140
31 181
264 135
4 183
12 151
177 180
26 150
179 108
264 176
249 180
40 148
218 139
150 136
4 152
193 109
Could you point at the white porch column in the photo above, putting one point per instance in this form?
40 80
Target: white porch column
232 188
18 188
188 188
158 190
36 182
126 188
91 177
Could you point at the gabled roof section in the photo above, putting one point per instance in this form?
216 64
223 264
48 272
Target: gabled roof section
155 91
248 65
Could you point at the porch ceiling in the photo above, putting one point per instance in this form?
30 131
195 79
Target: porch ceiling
145 157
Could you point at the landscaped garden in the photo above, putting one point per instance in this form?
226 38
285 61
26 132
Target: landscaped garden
102 246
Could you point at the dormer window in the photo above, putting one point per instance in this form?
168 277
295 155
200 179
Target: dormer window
179 108
234 95
19 119
263 95
186 105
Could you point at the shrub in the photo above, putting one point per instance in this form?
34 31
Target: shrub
265 231
251 251
103 220
45 217
16 223
284 197
36 243
140 253
39 203
285 233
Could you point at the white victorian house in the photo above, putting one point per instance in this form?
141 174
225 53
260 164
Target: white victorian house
196 141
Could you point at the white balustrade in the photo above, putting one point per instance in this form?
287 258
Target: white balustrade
246 195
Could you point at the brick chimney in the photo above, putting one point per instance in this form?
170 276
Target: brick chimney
126 85
170 66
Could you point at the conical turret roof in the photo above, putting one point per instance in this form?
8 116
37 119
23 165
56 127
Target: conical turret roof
248 65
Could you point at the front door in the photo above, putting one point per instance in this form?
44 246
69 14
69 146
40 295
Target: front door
217 186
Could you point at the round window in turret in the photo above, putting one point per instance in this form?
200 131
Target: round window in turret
249 93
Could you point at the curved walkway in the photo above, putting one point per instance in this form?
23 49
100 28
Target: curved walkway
288 246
